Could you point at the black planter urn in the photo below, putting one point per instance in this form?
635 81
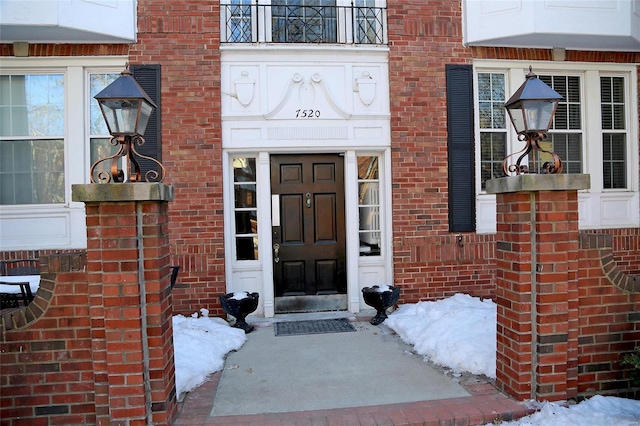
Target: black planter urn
380 298
239 305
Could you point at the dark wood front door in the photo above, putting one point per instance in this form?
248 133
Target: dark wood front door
309 264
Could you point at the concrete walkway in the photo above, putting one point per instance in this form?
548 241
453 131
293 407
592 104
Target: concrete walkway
354 378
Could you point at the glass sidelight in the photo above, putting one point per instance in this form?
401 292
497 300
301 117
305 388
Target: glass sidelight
369 205
245 208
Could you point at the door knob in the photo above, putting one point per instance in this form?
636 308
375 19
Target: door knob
276 250
308 195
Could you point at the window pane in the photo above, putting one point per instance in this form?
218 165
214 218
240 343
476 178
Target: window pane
32 105
369 193
612 103
245 195
492 99
614 160
484 87
568 113
368 22
369 218
246 222
493 150
244 170
304 21
367 168
97 82
246 248
32 172
238 15
370 243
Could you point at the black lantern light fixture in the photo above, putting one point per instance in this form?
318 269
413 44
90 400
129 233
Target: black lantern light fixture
531 109
126 108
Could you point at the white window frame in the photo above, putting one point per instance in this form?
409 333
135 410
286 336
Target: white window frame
58 226
599 208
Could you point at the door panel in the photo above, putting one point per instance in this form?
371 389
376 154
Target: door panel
325 230
309 267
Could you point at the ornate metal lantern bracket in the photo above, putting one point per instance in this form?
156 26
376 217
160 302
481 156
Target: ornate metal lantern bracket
532 146
128 152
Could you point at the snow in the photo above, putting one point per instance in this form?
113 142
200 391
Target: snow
240 295
200 344
457 333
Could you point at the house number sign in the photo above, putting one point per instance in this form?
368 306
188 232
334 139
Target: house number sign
307 113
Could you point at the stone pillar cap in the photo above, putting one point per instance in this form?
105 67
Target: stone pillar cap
115 192
538 182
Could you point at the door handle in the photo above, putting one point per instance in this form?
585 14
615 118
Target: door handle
276 250
308 195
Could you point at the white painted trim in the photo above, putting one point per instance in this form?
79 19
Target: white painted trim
351 223
265 236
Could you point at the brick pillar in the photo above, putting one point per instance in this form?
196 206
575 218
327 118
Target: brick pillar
537 287
127 226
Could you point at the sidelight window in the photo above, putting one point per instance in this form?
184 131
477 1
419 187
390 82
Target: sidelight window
245 208
369 206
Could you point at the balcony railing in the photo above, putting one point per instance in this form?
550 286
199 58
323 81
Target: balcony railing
285 23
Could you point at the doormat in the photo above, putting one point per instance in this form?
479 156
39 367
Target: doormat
293 328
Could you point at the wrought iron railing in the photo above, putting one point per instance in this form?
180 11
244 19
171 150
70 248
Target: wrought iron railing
280 22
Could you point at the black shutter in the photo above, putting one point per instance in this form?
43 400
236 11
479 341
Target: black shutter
148 77
462 212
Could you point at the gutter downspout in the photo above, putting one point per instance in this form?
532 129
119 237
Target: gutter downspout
143 315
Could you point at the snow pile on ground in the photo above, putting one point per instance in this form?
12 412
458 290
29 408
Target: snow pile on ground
458 332
596 411
200 344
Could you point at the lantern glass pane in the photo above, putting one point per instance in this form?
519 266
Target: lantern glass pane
129 113
538 114
517 118
145 114
121 115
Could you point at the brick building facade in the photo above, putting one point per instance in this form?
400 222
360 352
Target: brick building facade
420 131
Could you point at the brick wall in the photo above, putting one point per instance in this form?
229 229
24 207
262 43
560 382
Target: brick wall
183 36
609 322
428 261
45 350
